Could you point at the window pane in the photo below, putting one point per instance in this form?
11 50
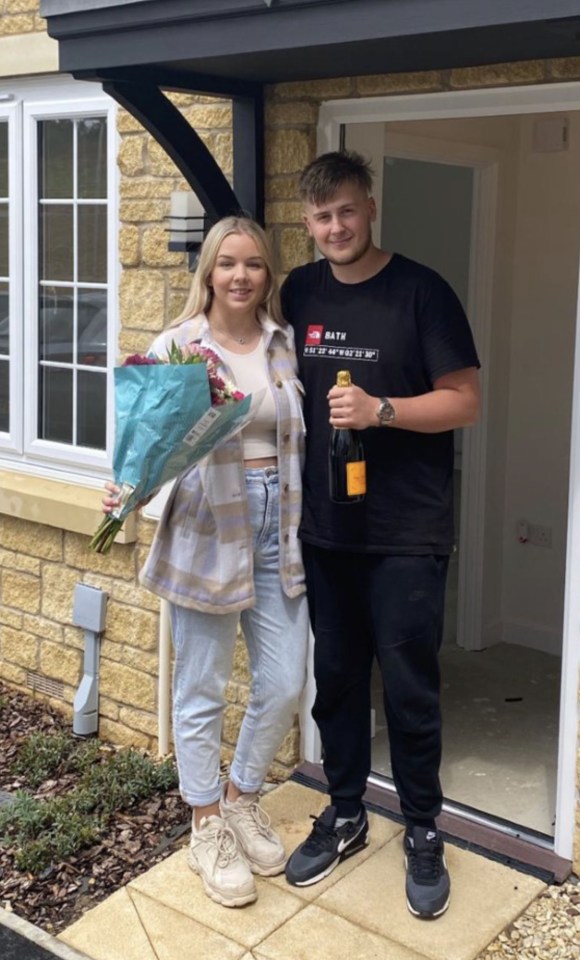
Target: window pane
3 239
92 409
4 320
92 328
4 391
56 324
55 159
56 242
92 154
3 158
55 405
92 244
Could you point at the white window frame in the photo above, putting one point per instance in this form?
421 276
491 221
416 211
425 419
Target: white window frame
25 103
10 114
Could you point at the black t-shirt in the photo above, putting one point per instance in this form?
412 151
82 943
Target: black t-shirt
397 333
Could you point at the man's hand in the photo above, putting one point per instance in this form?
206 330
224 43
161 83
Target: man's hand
453 402
352 407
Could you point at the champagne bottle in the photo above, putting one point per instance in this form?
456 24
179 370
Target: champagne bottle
346 459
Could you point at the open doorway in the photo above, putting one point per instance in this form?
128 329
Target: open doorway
502 655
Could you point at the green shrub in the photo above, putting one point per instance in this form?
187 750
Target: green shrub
40 831
41 755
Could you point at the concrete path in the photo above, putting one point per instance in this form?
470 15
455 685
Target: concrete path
358 912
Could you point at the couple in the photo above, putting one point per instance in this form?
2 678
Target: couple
237 530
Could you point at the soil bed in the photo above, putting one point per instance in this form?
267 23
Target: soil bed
133 840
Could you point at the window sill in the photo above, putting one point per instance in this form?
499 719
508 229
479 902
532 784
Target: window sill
69 506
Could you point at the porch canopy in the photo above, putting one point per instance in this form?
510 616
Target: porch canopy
232 48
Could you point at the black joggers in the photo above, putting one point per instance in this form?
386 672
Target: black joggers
391 607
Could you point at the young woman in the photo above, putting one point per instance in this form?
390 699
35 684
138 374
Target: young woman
226 551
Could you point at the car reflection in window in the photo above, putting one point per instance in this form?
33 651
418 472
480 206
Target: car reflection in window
56 346
56 328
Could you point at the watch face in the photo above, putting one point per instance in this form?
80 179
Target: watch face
386 411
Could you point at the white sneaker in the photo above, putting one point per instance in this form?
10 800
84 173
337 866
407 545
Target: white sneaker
215 855
261 847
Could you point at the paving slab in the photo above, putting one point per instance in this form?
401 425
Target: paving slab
111 931
137 927
173 934
317 934
175 885
485 897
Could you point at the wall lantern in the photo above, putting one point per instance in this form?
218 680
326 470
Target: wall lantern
188 225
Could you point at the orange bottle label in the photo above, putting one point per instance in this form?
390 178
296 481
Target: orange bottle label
356 478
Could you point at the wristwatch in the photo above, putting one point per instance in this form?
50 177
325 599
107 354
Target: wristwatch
385 412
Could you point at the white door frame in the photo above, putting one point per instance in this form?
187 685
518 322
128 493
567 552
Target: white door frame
501 102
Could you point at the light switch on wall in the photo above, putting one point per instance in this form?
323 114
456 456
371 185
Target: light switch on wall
551 134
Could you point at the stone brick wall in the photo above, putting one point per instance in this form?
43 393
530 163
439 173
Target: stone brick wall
20 16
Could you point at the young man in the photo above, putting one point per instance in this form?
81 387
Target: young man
376 569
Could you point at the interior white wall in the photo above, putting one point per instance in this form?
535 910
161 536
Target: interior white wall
545 281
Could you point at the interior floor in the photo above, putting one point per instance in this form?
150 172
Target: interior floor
500 732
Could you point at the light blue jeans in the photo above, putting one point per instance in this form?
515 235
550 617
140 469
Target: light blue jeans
276 634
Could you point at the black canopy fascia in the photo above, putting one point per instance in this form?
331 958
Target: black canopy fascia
232 48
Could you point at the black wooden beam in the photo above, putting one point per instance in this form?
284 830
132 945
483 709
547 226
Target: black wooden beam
180 141
172 78
249 164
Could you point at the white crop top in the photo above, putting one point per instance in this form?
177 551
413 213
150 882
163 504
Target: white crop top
251 374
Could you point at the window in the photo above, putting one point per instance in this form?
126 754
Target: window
57 275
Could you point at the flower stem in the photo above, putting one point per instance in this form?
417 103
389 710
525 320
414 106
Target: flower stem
104 537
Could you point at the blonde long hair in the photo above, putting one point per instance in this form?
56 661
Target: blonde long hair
200 294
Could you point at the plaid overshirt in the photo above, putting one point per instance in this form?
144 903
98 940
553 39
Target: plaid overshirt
202 555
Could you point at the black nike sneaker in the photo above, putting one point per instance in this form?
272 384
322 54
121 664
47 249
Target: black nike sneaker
427 885
326 847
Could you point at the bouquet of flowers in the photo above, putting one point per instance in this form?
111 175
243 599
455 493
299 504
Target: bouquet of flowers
169 414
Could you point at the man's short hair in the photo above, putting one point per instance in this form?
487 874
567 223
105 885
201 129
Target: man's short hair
322 178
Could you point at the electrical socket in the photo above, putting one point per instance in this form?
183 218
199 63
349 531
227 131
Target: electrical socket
539 535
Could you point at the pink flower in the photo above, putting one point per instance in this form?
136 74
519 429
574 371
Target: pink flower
138 360
196 350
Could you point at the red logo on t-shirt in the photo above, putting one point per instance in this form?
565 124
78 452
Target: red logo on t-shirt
313 335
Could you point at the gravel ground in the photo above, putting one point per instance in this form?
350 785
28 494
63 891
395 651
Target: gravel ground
548 930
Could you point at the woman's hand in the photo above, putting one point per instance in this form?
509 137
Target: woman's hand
111 501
